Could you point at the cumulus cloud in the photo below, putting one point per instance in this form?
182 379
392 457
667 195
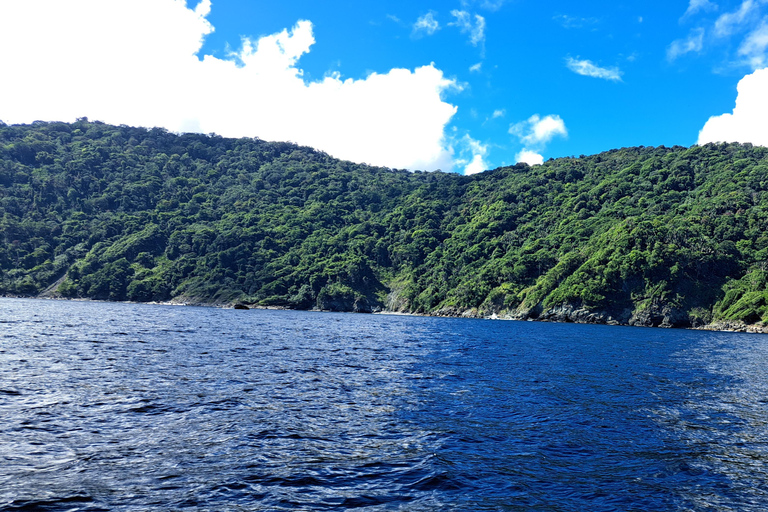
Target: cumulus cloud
476 29
589 68
426 24
529 157
539 130
472 155
137 63
498 113
747 121
535 133
693 43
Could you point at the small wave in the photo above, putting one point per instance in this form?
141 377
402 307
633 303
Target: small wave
290 481
436 482
373 501
52 504
150 409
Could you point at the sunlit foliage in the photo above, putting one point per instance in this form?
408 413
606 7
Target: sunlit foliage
675 235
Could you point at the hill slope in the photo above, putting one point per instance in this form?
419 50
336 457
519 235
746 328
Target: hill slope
646 236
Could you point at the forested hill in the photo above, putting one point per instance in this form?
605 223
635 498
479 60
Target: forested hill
644 236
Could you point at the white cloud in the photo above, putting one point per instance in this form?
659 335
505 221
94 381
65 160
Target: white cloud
426 24
475 30
589 68
136 63
498 113
695 6
476 68
693 43
747 121
539 130
529 157
730 22
535 133
754 49
477 151
98 59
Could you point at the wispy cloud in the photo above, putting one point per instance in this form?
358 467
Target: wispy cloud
731 22
498 113
492 5
589 68
535 133
695 6
489 5
744 29
754 49
426 24
148 52
476 68
475 29
693 43
567 21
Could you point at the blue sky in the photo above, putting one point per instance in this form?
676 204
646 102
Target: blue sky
459 85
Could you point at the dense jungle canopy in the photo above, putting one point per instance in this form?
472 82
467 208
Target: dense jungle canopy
648 236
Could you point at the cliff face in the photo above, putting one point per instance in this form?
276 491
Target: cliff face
636 236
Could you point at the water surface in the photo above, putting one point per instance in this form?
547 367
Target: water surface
147 407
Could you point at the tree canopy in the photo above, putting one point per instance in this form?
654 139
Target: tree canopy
649 236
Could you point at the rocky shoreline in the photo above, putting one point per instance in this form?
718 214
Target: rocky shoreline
664 317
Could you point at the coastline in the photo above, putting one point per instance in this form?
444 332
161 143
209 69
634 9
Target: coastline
597 318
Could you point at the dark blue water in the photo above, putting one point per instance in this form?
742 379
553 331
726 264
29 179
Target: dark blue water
140 407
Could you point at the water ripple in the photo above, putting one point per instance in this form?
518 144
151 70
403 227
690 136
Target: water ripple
125 407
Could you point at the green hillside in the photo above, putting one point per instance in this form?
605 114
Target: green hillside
644 236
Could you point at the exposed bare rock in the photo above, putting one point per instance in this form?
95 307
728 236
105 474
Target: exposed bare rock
660 316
